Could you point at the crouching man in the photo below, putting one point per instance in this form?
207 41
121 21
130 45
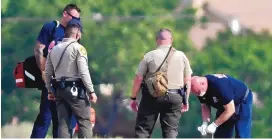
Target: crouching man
233 101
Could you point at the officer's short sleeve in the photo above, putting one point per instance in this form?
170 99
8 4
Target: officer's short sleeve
45 33
224 94
142 67
82 52
187 70
83 69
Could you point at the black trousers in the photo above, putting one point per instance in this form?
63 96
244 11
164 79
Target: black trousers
169 108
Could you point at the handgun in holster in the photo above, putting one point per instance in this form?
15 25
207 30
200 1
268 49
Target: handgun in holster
182 92
53 86
82 93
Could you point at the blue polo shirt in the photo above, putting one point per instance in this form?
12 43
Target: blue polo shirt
222 89
46 33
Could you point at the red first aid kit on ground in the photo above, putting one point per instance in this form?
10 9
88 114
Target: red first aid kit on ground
28 75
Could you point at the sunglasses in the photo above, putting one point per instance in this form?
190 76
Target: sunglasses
77 18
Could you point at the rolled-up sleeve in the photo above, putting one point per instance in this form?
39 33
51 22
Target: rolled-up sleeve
142 67
187 69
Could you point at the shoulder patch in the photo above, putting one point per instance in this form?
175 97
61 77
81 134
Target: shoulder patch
83 51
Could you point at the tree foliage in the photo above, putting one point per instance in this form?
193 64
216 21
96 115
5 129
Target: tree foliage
116 45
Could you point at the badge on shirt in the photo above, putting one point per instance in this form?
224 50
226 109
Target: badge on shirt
83 51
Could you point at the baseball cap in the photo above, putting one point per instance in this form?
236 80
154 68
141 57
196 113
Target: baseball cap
76 22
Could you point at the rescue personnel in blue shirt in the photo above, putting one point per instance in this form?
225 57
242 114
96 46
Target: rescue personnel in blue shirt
49 35
233 101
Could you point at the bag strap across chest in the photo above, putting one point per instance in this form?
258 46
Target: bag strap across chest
167 58
62 55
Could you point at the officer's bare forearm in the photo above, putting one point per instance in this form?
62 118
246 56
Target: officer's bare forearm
206 113
136 85
229 111
187 81
223 117
38 52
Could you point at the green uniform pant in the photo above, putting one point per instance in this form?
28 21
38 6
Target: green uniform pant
68 104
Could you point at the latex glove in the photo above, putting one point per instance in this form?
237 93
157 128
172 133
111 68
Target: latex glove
211 128
134 105
202 128
131 105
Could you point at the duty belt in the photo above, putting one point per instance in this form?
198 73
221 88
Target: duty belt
174 91
71 83
65 81
181 91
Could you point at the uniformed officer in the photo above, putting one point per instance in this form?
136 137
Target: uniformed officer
69 62
233 101
49 35
169 106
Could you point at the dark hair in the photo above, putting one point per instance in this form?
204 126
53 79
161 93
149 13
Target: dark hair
70 7
159 36
163 30
69 30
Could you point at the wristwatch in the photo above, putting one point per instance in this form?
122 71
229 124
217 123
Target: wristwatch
133 98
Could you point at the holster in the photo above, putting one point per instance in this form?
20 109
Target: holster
82 93
182 92
53 86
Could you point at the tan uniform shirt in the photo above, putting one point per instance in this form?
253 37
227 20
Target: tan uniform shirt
74 63
178 67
